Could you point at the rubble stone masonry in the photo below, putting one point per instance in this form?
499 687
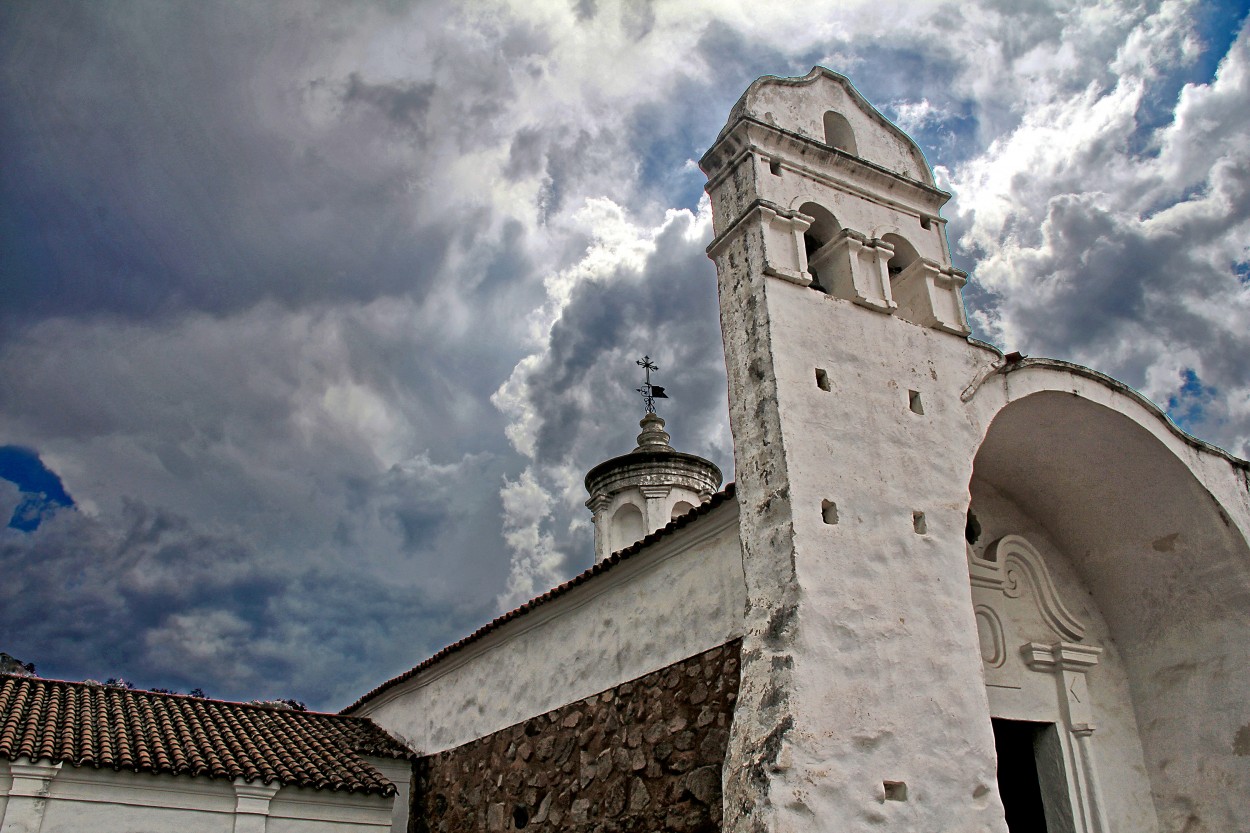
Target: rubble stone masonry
645 755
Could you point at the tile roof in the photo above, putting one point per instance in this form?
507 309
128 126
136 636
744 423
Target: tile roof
142 731
724 495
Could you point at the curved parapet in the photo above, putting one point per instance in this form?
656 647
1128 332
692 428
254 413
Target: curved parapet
1015 558
804 105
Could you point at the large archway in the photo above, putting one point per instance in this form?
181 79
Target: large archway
1147 562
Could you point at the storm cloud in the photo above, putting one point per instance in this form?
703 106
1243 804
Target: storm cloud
321 311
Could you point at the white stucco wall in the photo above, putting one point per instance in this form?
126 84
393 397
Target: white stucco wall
886 681
861 663
105 801
678 597
6 781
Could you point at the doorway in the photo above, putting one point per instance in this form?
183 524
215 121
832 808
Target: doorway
1031 779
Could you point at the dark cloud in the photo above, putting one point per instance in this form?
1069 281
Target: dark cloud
200 158
264 266
405 104
526 155
1117 293
667 311
173 603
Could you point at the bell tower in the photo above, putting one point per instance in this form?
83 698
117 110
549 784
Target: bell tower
862 703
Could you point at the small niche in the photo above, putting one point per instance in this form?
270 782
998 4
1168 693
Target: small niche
894 790
822 379
829 511
918 523
520 817
774 166
838 133
925 222
913 402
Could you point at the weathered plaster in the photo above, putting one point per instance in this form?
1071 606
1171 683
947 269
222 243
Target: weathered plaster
855 434
861 669
798 105
878 657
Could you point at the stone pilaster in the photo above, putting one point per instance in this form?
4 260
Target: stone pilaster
28 796
251 812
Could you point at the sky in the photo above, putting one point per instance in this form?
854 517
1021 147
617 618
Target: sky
313 316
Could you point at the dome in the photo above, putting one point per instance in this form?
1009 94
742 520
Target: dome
637 493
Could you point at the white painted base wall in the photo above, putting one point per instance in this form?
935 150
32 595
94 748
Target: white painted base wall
75 800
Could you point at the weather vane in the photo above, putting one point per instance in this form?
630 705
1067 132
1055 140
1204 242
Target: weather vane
649 392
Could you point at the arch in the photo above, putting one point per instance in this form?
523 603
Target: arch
838 133
905 254
627 527
680 508
822 230
1087 466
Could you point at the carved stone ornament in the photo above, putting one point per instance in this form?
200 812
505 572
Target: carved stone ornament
1007 564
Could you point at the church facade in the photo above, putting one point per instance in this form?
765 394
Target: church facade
950 589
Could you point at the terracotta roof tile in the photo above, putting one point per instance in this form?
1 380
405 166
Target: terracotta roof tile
142 731
724 495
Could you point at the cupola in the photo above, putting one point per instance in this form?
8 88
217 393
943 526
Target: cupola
637 493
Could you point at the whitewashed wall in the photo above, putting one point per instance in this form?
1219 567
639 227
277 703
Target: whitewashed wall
676 598
105 801
1017 692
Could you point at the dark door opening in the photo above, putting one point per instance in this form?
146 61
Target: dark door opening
1016 743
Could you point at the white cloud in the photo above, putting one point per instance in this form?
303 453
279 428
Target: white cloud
1118 258
914 115
617 255
536 563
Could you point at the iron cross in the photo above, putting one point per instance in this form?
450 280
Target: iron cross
650 392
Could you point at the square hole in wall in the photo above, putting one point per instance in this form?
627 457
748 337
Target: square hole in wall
918 524
822 379
829 511
914 402
894 790
774 167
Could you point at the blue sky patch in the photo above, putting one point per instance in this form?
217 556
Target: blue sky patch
1216 26
1188 406
42 490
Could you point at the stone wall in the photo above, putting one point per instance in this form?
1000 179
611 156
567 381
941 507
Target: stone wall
645 755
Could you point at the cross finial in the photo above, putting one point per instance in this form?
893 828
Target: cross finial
649 392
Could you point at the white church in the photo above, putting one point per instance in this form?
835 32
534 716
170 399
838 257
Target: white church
951 589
